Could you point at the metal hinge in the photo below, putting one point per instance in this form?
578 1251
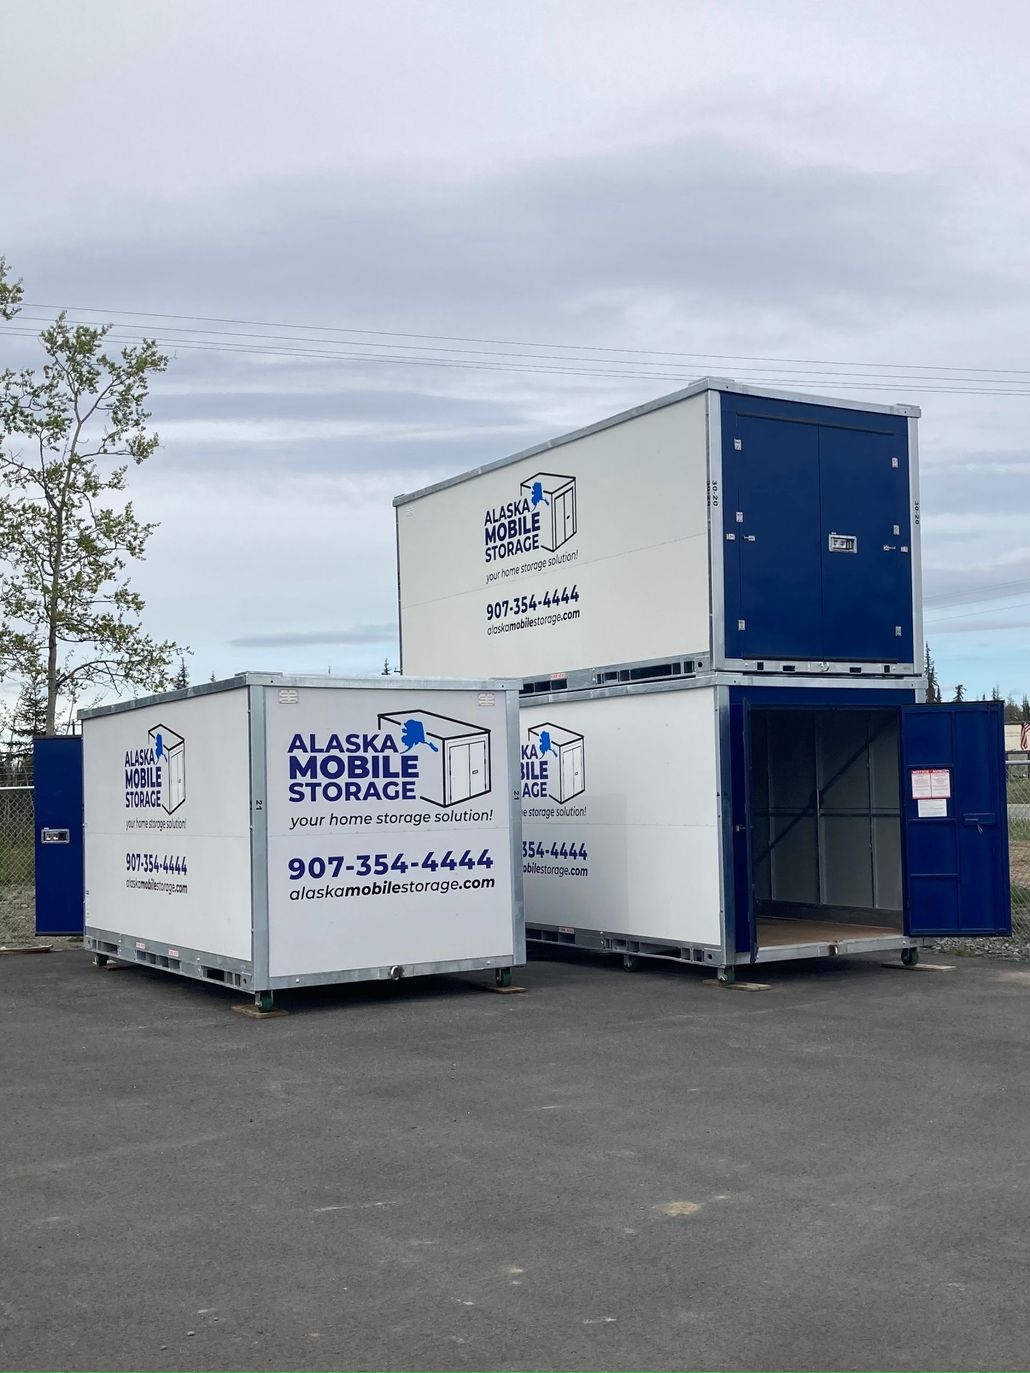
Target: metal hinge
894 462
897 631
738 445
730 538
742 624
740 517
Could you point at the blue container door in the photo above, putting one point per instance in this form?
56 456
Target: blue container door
771 528
816 532
866 543
955 819
57 801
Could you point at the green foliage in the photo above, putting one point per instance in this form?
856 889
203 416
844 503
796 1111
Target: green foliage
933 686
68 435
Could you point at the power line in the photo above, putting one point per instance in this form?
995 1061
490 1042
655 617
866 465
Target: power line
974 614
458 354
523 343
947 386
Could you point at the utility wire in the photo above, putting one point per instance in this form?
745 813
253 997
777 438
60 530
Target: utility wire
459 353
523 343
947 386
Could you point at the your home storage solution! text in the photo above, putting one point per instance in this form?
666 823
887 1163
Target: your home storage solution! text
738 822
270 832
737 529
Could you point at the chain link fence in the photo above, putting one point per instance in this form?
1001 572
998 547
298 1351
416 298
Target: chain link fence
17 857
1019 845
17 865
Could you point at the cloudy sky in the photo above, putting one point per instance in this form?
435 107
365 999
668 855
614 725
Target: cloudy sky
726 188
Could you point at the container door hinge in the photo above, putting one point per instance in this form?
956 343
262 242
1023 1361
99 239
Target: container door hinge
738 444
897 631
894 462
742 624
740 516
730 538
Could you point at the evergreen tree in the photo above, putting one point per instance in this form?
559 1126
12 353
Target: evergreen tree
1024 709
933 686
996 692
181 680
960 694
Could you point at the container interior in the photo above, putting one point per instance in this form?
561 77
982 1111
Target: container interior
826 820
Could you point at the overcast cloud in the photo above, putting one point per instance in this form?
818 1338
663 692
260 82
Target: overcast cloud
814 181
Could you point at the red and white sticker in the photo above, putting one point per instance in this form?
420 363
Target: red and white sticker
931 782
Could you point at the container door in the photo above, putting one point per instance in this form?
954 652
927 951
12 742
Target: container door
771 530
866 543
60 895
955 819
478 765
458 773
568 513
571 771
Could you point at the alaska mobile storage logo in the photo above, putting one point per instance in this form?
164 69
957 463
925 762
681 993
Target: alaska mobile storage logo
544 516
553 763
428 757
155 776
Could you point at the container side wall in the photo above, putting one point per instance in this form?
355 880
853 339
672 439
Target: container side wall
609 529
641 839
167 813
370 865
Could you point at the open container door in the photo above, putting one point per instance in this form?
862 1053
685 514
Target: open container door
955 820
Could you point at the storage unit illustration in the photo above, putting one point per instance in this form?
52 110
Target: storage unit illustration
461 768
333 830
170 751
554 498
566 777
731 621
741 530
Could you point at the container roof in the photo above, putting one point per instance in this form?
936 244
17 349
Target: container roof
673 398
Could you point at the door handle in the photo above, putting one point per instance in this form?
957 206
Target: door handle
978 820
890 548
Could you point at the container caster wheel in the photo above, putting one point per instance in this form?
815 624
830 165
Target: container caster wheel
502 977
630 962
910 957
264 1001
100 960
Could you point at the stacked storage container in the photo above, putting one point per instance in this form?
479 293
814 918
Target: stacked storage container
714 604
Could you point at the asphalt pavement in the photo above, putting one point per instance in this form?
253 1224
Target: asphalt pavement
619 1170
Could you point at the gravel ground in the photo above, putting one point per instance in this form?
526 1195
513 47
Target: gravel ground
1014 950
18 921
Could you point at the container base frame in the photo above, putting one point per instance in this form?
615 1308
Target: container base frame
631 946
238 974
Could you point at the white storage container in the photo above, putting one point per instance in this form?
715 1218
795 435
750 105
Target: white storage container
738 529
736 820
269 832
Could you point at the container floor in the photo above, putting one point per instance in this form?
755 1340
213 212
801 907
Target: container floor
773 933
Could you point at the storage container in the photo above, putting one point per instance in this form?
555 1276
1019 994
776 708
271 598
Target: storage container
737 820
268 832
733 528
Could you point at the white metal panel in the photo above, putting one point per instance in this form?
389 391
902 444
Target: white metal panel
648 817
366 842
628 557
168 785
